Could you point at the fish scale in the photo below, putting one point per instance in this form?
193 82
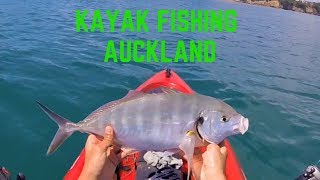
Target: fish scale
147 106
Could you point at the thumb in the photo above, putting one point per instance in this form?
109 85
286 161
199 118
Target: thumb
108 138
92 140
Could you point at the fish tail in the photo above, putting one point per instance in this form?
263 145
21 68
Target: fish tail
66 128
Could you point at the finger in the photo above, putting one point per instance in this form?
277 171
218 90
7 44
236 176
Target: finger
213 147
224 151
92 139
108 138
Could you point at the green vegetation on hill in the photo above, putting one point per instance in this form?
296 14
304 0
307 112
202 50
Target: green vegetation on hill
294 5
317 6
290 4
287 4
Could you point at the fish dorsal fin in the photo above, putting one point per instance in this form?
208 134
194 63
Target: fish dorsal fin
133 93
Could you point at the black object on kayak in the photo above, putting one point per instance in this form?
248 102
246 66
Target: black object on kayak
310 173
21 176
164 173
5 174
168 72
148 172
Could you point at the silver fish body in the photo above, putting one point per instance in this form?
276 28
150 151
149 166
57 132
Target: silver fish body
157 121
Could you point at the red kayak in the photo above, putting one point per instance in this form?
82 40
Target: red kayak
165 78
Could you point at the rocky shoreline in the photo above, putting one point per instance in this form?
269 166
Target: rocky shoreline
294 5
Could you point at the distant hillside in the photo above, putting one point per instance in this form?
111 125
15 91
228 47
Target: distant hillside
299 6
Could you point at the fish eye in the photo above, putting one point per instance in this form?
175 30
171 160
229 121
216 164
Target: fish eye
200 120
224 119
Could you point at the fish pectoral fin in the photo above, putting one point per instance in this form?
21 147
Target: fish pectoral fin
187 146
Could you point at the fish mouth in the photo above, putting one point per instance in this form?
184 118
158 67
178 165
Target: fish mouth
243 125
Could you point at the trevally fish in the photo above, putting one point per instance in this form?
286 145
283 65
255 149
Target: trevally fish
165 121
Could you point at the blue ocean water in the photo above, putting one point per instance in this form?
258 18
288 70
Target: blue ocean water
269 70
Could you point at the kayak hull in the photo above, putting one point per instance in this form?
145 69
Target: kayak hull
165 78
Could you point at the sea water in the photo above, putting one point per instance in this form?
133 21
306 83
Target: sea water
268 70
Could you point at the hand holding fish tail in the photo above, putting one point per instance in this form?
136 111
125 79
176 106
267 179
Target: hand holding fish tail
101 158
211 164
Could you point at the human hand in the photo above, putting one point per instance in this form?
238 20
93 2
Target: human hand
211 164
101 158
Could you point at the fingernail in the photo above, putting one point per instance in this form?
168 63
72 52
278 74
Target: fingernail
108 130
